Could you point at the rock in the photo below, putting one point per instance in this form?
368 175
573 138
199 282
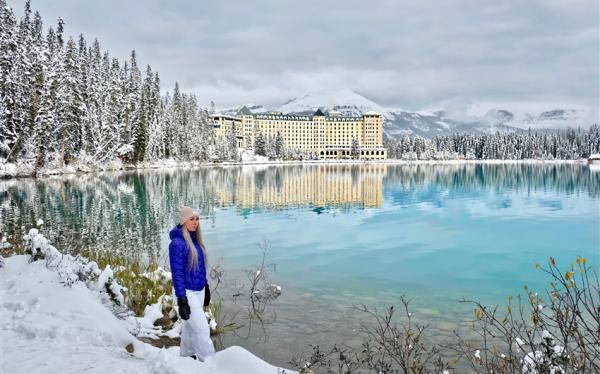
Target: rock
165 322
129 348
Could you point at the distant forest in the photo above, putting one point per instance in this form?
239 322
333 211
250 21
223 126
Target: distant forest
567 144
64 100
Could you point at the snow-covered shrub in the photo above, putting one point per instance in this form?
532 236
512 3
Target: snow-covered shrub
38 247
409 156
551 359
3 243
88 271
107 285
69 269
470 155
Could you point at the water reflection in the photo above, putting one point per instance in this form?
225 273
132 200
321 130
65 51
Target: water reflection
130 210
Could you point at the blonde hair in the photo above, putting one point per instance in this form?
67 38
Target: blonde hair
193 255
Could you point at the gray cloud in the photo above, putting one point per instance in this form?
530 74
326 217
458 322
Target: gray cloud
398 53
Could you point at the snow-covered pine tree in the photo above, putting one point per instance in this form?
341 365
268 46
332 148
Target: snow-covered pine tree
194 127
146 107
37 79
278 147
46 119
98 77
173 136
270 146
167 125
231 142
11 118
260 147
23 66
355 149
156 106
70 104
133 114
86 120
111 109
207 139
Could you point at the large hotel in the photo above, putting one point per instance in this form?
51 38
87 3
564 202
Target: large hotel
326 136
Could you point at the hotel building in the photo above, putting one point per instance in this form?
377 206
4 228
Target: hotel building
327 136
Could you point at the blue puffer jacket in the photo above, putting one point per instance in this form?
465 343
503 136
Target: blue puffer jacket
184 278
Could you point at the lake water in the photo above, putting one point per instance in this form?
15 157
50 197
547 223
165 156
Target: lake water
338 235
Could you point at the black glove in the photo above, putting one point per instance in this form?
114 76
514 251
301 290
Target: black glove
184 307
206 295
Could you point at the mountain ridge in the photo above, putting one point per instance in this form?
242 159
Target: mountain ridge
400 122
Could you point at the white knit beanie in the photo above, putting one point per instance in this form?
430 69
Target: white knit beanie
185 213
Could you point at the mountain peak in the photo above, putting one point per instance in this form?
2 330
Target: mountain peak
345 101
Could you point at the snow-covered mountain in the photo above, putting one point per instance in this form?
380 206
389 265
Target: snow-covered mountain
346 102
399 122
430 124
557 117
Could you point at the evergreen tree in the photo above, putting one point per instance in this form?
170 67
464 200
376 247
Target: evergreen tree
146 113
70 104
11 116
278 147
260 145
231 142
133 112
155 147
355 149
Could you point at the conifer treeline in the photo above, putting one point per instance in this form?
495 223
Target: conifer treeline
62 100
567 144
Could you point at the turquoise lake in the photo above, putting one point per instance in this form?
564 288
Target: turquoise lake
338 235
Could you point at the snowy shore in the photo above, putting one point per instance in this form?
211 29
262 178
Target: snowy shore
20 170
51 324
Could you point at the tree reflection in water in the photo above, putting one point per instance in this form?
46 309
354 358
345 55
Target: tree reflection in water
129 211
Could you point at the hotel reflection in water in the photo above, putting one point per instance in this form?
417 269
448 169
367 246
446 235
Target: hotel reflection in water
309 185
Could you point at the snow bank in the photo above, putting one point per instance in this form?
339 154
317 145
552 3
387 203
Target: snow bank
50 328
247 158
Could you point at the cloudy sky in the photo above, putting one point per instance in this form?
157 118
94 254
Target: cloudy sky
513 54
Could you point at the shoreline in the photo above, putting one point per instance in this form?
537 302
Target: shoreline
15 171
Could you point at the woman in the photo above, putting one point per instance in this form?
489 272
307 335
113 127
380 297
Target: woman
187 256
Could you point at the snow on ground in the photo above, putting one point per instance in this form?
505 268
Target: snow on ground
47 327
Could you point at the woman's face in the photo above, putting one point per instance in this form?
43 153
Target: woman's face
192 224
